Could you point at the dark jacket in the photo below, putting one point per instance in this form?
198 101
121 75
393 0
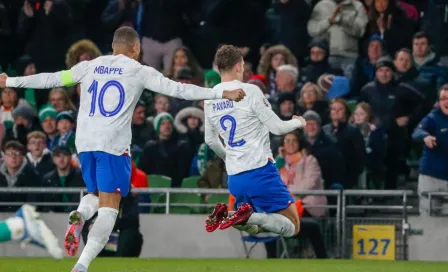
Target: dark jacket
141 134
435 23
48 36
320 107
44 166
351 144
392 100
330 159
162 19
171 158
434 162
25 177
52 179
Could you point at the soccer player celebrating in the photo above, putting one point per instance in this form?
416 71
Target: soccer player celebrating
110 89
253 178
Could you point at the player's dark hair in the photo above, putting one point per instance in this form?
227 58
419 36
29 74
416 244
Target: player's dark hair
227 57
125 35
15 145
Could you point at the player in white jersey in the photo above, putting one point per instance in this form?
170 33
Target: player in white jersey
253 178
110 89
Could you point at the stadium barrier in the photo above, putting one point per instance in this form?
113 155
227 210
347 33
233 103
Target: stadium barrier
346 235
439 210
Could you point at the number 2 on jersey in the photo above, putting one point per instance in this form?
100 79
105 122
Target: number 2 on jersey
93 89
232 130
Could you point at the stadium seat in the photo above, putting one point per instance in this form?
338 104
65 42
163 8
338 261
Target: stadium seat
257 239
190 182
158 181
187 199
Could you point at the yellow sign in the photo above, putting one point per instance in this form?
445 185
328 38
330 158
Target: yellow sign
374 242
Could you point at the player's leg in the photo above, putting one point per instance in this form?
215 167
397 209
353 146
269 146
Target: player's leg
271 199
113 173
88 205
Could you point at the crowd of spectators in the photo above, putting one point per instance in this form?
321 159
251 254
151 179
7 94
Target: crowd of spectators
363 73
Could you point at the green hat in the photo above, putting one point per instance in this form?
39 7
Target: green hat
47 111
160 118
212 78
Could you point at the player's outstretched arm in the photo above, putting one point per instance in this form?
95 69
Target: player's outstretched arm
267 116
155 81
45 80
212 140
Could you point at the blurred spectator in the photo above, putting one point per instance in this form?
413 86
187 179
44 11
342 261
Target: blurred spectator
142 131
273 58
162 26
25 66
396 106
350 141
260 82
286 78
248 71
324 149
300 170
342 23
81 51
431 75
46 27
38 154
24 123
432 131
121 13
5 35
364 69
60 100
375 145
167 155
435 24
286 105
212 78
65 175
15 171
189 122
318 63
388 20
311 99
183 57
47 118
65 125
293 16
9 101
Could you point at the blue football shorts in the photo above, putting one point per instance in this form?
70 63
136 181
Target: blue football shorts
262 188
105 172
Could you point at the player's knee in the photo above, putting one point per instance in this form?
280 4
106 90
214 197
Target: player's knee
109 200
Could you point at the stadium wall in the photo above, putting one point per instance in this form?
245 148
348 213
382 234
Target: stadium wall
183 236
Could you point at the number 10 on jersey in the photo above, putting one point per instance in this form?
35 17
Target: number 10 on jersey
93 89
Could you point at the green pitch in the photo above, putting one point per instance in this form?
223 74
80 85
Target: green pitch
223 265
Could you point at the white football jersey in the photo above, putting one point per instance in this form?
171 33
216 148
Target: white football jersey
241 126
110 88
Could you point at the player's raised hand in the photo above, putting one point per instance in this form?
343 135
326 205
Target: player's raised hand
3 78
301 119
235 95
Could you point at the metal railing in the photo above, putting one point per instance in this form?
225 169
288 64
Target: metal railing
432 195
341 217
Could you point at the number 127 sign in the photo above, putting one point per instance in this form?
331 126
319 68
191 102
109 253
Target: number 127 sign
374 242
